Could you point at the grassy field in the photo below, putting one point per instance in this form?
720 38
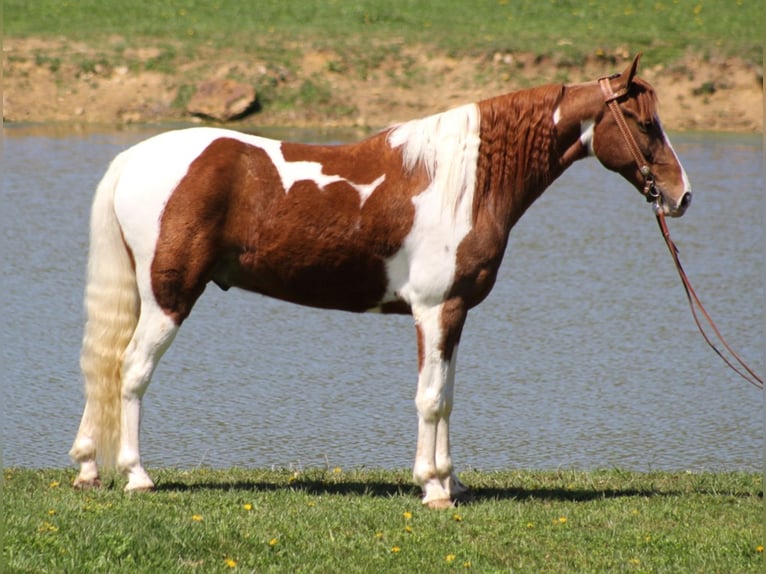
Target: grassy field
372 521
664 29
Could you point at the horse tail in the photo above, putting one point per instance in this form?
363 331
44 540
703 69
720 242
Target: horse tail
112 307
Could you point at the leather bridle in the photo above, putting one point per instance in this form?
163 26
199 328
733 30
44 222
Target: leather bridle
653 196
612 102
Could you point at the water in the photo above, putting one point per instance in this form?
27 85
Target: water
585 354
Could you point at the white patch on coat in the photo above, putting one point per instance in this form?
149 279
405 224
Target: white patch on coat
447 145
586 135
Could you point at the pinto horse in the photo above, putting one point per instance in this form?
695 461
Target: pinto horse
412 220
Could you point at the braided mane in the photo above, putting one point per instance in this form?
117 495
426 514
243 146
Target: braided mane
517 148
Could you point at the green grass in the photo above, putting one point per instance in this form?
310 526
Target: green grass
664 29
372 521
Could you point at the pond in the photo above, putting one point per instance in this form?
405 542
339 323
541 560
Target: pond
584 356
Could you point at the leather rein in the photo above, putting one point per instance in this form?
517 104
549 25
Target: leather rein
653 196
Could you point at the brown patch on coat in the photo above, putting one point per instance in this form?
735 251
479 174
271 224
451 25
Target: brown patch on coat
231 221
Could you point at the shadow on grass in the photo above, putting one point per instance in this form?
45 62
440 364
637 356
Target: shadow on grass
395 489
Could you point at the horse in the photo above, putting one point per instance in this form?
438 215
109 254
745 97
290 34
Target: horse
411 220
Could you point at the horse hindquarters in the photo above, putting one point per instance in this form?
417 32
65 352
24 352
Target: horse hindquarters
126 333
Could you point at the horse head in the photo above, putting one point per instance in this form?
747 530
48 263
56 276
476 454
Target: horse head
628 138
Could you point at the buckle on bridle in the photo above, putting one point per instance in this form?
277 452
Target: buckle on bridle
650 189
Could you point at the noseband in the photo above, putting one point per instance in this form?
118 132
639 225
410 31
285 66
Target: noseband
611 98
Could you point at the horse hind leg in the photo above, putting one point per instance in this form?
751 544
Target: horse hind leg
153 335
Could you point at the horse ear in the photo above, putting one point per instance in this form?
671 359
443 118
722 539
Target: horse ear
630 71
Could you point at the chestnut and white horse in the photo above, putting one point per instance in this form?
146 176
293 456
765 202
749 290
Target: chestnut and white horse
412 220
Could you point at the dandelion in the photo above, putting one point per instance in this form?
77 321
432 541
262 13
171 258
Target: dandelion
230 562
457 518
196 518
54 484
247 506
47 527
407 515
51 512
759 549
408 529
395 549
467 564
337 470
530 524
379 535
273 542
450 558
560 520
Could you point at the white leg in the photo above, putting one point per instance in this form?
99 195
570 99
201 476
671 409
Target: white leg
437 342
84 452
153 335
443 457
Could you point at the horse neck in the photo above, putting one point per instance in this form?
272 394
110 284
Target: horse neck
519 154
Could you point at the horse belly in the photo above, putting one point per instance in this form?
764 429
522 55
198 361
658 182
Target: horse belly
332 279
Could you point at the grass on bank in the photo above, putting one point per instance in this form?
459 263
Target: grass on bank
664 29
365 39
372 521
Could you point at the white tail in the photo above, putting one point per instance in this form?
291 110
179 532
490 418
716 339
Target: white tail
112 307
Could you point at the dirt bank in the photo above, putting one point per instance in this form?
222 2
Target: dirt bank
61 81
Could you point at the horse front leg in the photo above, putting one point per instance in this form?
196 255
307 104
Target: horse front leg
438 331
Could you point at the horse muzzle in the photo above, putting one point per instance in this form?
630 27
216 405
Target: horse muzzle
673 208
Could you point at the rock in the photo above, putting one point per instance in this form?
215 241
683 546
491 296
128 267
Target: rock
222 99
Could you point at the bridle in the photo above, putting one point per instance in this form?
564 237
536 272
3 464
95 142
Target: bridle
653 195
612 98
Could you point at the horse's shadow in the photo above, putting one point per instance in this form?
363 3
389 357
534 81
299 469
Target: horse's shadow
394 489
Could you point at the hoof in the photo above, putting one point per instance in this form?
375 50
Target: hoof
143 488
86 484
439 503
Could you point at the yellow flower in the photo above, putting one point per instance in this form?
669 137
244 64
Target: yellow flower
634 561
337 470
450 558
379 535
230 562
395 549
54 484
530 524
407 515
408 528
247 506
759 549
196 518
457 518
273 542
47 527
561 520
51 512
467 564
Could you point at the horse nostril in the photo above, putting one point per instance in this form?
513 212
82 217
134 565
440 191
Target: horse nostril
685 200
